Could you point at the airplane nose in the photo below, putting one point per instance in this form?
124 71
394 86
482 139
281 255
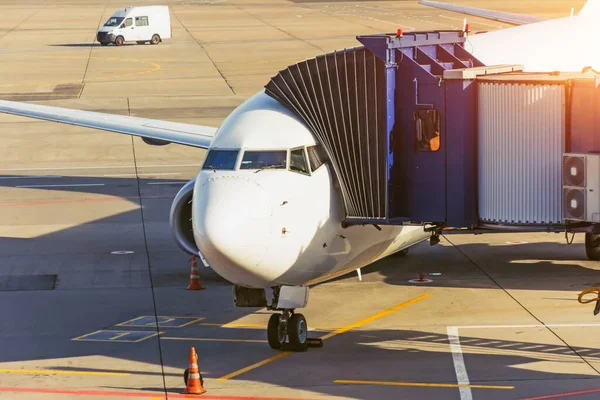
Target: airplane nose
232 227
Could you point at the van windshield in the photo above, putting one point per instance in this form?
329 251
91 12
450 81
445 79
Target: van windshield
114 21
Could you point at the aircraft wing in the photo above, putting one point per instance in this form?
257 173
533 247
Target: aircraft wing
156 130
509 18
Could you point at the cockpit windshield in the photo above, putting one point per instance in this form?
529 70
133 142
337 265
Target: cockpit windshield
114 21
264 159
221 159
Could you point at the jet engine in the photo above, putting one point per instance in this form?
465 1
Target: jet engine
155 142
180 219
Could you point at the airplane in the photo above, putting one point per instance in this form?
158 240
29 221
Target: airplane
265 210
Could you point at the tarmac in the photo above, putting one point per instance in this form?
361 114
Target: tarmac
93 298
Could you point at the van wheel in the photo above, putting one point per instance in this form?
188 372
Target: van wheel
104 43
119 40
155 39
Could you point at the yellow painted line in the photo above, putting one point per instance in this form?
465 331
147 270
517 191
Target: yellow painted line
59 372
376 316
417 384
254 366
262 326
329 335
215 339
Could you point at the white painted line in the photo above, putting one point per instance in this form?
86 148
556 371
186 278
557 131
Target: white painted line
104 167
149 173
166 183
526 326
31 177
476 22
459 363
457 356
73 185
392 23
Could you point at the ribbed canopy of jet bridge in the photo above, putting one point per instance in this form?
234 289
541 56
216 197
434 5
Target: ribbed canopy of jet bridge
341 98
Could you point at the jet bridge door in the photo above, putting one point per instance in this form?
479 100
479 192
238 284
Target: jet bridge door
418 171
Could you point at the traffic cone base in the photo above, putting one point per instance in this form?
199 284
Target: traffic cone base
194 385
194 277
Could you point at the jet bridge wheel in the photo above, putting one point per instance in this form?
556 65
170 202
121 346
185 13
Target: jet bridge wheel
592 246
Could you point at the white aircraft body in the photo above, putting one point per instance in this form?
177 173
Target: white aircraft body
265 211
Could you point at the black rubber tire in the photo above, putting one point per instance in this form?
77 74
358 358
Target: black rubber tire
119 41
155 39
592 246
298 332
104 43
186 373
273 335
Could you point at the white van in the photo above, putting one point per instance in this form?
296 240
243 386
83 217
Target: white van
137 24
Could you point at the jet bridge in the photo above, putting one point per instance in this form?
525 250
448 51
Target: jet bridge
418 130
399 137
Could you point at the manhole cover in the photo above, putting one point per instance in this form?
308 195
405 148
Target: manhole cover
122 252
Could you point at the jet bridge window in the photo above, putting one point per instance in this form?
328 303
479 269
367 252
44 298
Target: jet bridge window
264 159
298 161
427 129
221 159
141 21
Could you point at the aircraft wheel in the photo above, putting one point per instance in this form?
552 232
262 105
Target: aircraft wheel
298 332
155 39
276 332
592 246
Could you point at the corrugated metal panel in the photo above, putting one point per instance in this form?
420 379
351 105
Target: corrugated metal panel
341 97
521 139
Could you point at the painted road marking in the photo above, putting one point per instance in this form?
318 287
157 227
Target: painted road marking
60 372
264 326
71 185
215 339
327 336
147 395
417 384
31 177
459 364
104 167
457 355
556 396
163 322
116 336
38 203
147 173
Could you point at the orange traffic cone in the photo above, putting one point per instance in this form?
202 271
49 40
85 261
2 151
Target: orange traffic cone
194 277
194 383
